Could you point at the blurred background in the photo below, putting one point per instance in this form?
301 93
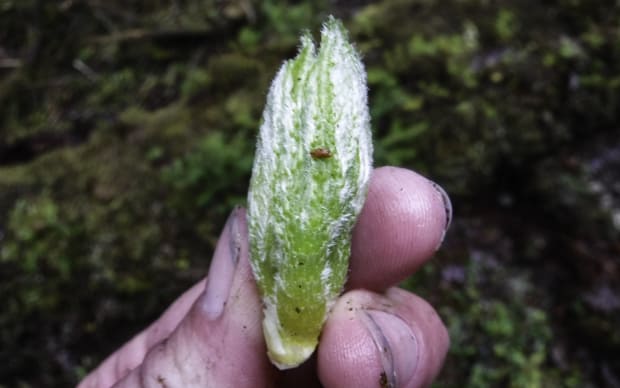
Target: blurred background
127 133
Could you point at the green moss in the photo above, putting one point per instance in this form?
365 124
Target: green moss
499 337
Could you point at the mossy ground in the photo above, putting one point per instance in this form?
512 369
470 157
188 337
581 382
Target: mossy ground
127 132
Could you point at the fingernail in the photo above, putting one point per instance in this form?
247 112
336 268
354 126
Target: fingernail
222 268
447 207
396 345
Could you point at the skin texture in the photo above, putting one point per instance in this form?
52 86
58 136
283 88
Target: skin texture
376 336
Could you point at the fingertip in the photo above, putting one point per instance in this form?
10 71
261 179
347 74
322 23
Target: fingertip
431 333
234 339
403 222
395 339
346 353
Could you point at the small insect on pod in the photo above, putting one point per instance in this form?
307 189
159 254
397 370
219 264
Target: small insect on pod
320 153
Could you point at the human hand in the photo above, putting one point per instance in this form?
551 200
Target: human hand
376 335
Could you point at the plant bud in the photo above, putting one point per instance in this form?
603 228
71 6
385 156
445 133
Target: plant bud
309 182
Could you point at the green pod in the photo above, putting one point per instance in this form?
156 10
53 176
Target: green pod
309 182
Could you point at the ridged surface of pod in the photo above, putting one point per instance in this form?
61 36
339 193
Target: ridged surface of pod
309 182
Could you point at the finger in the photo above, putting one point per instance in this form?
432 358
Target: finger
373 340
219 341
401 225
132 353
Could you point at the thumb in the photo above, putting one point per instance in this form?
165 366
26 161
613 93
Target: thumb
219 342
